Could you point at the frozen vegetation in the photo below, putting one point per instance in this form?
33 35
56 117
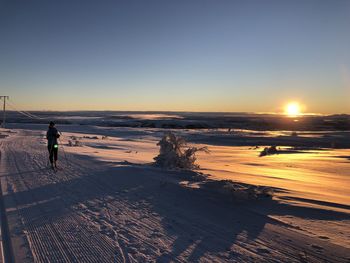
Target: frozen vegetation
175 153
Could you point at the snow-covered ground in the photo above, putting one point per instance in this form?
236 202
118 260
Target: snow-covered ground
107 203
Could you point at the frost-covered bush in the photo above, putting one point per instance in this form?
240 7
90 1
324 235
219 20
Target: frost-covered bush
294 134
175 153
90 137
239 191
269 151
74 143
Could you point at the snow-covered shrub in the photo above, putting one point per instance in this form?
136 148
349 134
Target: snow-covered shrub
269 151
294 134
239 191
175 153
74 143
90 137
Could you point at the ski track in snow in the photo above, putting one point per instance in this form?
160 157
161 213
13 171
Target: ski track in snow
89 212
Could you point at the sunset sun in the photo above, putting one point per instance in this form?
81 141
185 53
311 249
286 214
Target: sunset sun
292 109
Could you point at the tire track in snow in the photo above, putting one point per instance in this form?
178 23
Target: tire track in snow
53 229
6 246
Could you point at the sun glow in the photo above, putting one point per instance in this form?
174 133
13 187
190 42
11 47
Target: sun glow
293 109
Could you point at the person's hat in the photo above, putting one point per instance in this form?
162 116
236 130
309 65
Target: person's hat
52 123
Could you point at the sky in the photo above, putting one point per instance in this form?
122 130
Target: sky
180 55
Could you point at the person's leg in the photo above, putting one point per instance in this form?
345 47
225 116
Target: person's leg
55 155
50 148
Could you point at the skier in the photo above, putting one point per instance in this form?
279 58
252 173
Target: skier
52 144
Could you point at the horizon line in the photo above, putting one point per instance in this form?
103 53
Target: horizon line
184 111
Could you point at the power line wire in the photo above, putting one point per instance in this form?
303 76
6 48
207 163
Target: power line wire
25 113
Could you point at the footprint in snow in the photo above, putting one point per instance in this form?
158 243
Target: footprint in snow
323 237
316 247
263 251
157 234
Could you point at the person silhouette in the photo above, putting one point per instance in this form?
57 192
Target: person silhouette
52 145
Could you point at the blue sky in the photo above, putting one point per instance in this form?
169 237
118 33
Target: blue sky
250 56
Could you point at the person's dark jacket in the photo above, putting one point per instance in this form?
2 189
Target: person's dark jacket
51 136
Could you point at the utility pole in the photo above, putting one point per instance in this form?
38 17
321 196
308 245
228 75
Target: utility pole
4 110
